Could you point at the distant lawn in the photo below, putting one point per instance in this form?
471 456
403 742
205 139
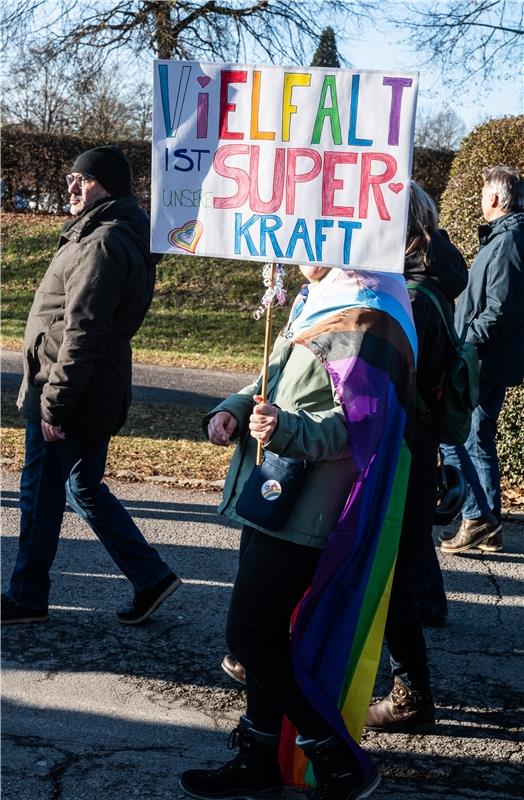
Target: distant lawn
201 316
156 441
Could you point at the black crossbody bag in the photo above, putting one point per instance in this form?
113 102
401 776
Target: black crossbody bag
269 494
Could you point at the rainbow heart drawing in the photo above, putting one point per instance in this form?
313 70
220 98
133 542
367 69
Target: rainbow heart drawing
187 236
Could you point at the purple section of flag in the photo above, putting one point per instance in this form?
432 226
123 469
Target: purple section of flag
324 632
362 391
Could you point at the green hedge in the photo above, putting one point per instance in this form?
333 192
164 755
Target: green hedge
34 166
499 141
510 438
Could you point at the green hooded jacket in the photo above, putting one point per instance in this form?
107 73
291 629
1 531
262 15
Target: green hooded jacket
311 425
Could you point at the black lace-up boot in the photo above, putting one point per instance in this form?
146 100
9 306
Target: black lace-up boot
254 773
338 773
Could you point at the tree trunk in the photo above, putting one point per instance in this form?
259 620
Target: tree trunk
163 29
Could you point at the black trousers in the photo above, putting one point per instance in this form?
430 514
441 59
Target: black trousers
272 577
418 584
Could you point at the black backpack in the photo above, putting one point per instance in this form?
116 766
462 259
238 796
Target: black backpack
456 394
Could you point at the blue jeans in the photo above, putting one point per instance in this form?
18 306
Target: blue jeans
477 457
72 469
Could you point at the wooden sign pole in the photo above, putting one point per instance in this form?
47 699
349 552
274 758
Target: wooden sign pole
267 350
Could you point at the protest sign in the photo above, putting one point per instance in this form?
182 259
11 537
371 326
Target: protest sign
282 164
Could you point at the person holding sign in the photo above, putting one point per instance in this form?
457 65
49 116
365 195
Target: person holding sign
320 528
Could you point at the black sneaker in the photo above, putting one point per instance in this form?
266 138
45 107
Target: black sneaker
144 603
12 613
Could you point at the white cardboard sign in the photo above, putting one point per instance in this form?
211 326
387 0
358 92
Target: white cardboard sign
284 164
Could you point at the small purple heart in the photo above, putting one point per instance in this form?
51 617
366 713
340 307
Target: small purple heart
203 80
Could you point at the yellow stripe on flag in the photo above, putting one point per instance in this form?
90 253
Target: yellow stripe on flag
356 704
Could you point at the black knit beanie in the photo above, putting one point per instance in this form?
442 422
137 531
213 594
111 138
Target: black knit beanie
109 166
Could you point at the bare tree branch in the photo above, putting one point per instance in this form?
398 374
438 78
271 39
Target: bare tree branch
180 28
467 37
440 131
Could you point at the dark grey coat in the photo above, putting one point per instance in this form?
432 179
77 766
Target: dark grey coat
90 303
494 301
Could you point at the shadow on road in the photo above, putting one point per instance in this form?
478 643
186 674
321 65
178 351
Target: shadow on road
173 661
155 753
144 509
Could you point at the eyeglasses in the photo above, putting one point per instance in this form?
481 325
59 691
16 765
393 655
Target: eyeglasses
79 179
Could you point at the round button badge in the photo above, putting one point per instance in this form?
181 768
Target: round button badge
271 490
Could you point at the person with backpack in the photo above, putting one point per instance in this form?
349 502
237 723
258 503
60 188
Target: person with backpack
436 274
493 306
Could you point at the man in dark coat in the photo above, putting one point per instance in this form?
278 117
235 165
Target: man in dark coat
76 388
493 304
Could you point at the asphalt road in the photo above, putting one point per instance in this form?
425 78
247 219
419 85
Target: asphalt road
197 388
93 709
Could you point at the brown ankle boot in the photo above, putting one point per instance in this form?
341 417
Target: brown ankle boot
233 668
493 544
404 709
472 533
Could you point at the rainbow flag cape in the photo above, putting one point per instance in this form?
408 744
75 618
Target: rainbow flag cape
366 340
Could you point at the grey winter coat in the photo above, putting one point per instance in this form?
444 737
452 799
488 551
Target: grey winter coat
90 303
